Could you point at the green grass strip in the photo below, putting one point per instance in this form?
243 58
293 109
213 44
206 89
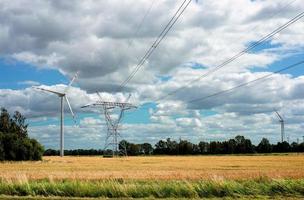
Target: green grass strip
155 189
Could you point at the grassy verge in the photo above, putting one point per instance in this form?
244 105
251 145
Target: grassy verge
155 189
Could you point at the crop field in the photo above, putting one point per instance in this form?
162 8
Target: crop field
256 176
155 168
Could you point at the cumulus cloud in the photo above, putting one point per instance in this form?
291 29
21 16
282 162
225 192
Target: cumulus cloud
98 39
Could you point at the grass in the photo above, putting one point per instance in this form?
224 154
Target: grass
160 168
150 198
191 177
155 189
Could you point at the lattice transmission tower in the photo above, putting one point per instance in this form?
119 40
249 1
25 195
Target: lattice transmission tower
113 124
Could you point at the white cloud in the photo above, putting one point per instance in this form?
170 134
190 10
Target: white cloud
29 83
97 38
94 37
90 121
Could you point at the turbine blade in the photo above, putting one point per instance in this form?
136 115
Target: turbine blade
71 82
67 100
279 116
99 95
85 106
47 90
128 98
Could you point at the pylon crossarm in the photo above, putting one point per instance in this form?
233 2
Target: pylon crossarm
113 124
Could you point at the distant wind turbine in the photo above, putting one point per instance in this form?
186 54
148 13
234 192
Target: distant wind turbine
62 95
281 120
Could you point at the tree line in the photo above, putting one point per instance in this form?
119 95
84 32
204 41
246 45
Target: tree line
14 141
237 145
15 144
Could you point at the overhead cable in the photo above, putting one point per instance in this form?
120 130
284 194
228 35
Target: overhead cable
246 50
158 40
246 83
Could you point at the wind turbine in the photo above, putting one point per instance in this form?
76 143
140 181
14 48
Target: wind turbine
62 95
281 120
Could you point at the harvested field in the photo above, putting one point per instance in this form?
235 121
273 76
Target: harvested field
158 168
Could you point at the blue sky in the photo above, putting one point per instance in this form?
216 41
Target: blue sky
14 73
45 44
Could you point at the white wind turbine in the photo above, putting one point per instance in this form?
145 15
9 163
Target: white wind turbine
281 120
62 95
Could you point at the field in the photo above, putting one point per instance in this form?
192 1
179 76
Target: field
158 177
155 168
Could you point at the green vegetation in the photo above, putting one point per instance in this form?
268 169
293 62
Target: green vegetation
155 189
14 141
237 145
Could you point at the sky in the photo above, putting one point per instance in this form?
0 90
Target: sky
44 43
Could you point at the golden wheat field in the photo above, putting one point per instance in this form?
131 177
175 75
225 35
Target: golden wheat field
156 168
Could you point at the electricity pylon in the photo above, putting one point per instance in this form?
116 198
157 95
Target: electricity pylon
111 141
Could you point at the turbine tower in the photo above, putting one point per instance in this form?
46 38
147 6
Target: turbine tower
112 123
281 120
62 95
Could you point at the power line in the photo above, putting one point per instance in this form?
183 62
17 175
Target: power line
246 50
256 44
246 83
142 22
158 40
243 84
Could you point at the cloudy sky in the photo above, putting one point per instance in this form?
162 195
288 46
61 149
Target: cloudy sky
44 43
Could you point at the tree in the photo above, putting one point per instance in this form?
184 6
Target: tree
195 149
172 147
51 152
37 150
124 145
4 121
264 146
231 146
301 147
2 153
185 147
243 145
18 125
281 147
213 147
14 141
134 149
146 148
161 147
203 147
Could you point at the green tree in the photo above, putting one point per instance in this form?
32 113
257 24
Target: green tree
243 145
2 153
146 148
134 149
282 147
18 126
185 147
264 146
204 147
161 147
4 121
14 141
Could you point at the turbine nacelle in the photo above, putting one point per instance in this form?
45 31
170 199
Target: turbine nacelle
281 120
62 96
